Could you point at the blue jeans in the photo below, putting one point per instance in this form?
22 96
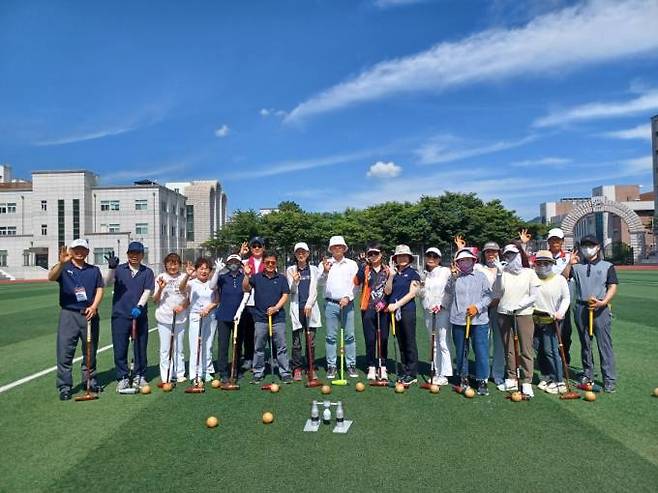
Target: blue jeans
479 336
548 352
332 313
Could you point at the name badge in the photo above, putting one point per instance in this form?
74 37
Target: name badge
80 294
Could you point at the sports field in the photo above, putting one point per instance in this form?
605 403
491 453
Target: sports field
414 441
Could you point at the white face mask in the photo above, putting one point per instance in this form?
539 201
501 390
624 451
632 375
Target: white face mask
590 251
543 271
514 265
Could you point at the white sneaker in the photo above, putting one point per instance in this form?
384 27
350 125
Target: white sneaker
561 388
383 374
372 374
543 384
209 377
526 389
510 385
501 387
439 381
181 379
551 388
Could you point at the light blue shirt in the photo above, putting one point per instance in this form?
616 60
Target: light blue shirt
466 290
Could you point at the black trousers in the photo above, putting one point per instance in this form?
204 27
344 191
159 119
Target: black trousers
406 335
224 335
121 329
246 335
369 322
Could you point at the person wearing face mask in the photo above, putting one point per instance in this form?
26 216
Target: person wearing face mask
436 304
488 267
550 307
304 309
402 288
595 283
372 277
516 288
232 301
471 296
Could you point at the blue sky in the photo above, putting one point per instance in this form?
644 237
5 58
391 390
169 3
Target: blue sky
335 103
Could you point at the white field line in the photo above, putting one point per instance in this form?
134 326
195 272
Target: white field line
41 373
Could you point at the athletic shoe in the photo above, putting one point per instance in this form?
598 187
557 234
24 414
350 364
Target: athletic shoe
352 372
610 388
408 380
510 385
502 387
139 381
526 389
383 374
287 379
331 372
372 373
297 374
440 381
65 395
256 379
482 388
585 380
181 379
209 377
551 388
543 384
561 388
123 384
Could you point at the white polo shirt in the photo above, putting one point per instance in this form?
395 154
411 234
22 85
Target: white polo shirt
340 279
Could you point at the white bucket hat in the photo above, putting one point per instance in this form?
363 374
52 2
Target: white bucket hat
301 245
79 242
555 233
337 240
402 250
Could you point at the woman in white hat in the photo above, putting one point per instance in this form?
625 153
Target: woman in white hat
402 289
516 287
471 296
436 304
304 310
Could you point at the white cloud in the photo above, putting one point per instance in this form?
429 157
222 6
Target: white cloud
151 173
545 161
70 139
642 132
383 169
446 148
599 110
264 112
593 32
222 131
638 165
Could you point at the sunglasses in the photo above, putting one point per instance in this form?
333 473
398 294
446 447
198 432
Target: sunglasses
270 262
432 255
373 254
256 246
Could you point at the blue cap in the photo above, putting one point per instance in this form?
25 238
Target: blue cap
257 239
136 246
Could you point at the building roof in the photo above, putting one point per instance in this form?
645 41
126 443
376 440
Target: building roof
62 171
17 185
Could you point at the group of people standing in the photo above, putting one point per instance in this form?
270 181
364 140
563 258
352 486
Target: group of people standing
486 300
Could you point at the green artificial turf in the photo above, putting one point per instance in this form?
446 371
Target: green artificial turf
414 441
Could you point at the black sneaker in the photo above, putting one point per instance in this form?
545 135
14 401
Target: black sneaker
352 372
408 380
257 379
482 388
96 389
287 379
331 373
65 395
585 380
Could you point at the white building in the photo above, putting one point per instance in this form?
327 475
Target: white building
57 206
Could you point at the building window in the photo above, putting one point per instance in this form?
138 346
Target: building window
44 205
11 207
3 258
76 218
141 204
163 205
113 228
105 205
7 230
182 232
145 260
109 205
190 222
141 229
164 230
44 230
100 254
173 231
61 241
182 211
3 208
3 230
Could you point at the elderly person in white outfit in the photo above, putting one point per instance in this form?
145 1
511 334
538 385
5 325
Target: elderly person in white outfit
436 305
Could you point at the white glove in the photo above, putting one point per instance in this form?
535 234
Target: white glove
498 265
219 264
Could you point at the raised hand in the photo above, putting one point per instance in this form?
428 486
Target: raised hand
161 283
247 270
112 260
296 277
219 264
64 255
189 269
244 249
459 241
326 265
524 236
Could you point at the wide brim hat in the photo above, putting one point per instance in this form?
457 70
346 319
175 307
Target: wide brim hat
402 250
337 240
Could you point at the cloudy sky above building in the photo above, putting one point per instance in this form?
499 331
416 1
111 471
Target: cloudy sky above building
335 103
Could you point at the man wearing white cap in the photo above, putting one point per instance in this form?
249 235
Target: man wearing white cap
436 303
337 275
304 309
80 294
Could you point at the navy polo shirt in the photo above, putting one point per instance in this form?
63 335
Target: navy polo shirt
304 285
88 277
128 289
401 284
230 290
267 293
